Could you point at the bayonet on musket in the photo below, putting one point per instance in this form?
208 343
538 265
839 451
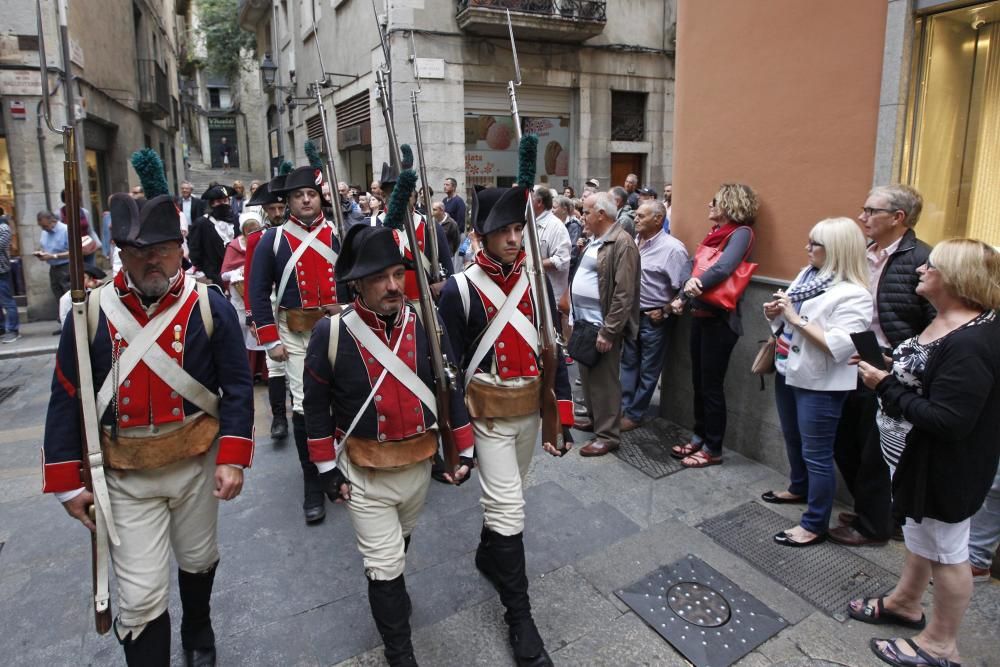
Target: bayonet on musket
430 236
331 168
548 342
91 455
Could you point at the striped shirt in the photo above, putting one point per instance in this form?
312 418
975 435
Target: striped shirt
5 237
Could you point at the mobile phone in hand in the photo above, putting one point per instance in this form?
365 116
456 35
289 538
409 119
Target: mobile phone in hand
868 349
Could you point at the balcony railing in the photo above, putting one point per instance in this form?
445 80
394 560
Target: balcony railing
556 20
154 92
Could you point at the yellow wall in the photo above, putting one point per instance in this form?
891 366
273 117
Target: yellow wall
782 95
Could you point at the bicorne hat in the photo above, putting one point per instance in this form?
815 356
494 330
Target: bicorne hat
504 206
389 175
140 224
366 251
303 177
217 192
263 196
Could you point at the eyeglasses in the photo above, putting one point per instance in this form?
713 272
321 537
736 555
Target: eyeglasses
812 245
869 212
160 251
712 203
929 264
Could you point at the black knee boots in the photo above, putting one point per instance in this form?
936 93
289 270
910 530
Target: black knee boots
501 559
152 647
197 636
389 602
276 389
314 503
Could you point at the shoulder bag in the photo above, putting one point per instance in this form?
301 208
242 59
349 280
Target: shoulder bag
726 294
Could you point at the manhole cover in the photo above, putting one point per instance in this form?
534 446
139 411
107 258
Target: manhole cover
701 613
827 575
698 604
7 392
648 447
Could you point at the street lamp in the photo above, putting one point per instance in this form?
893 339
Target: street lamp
268 71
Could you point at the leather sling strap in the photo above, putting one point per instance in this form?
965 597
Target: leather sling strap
389 361
508 314
142 346
306 242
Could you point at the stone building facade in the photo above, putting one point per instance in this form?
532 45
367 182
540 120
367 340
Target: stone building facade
597 85
124 64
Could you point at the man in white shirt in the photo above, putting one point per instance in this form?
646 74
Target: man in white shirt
192 207
553 238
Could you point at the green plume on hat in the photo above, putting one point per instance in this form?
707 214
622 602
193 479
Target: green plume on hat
286 168
312 153
399 202
149 167
527 154
407 159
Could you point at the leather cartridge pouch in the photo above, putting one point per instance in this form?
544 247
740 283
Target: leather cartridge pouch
391 453
490 401
302 320
192 439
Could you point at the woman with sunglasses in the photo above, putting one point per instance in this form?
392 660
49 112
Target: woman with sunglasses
938 419
813 321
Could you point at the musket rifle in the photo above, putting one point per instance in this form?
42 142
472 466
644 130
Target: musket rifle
444 375
430 236
548 342
91 455
331 168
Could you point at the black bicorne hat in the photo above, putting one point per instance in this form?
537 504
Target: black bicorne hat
141 223
217 192
263 196
389 175
507 206
275 186
304 177
366 251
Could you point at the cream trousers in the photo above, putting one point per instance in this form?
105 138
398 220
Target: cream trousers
384 507
295 345
156 511
504 447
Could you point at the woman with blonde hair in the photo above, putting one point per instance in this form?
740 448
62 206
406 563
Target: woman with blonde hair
714 331
938 419
813 321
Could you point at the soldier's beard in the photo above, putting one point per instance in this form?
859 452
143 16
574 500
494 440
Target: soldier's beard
154 285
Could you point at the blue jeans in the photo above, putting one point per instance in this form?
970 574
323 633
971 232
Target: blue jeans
642 361
809 422
8 307
984 535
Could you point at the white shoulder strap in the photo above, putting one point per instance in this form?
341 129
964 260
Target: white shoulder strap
507 314
334 342
94 311
462 282
206 309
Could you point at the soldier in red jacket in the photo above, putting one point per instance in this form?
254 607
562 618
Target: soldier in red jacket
175 403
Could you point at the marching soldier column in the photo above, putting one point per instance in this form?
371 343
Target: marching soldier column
176 410
297 259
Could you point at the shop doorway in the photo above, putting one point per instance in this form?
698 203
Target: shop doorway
623 164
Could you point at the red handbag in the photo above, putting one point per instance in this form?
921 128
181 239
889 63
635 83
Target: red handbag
726 294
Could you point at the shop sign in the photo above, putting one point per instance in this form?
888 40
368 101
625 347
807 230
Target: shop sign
222 122
15 82
491 146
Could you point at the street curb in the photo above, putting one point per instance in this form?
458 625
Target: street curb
29 351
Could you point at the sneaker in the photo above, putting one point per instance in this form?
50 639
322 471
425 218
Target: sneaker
10 337
980 575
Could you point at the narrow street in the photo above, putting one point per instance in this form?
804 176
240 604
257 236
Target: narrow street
289 594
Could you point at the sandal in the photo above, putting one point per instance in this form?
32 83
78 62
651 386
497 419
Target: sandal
684 451
891 654
701 459
875 613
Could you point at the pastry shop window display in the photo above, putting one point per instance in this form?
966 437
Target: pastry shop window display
491 149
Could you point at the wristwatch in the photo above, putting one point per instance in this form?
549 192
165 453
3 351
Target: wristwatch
802 323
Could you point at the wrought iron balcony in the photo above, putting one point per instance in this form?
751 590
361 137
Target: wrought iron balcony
554 20
154 91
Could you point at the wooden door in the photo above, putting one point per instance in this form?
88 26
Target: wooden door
623 164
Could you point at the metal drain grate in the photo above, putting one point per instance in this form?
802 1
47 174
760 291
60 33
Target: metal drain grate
827 575
703 614
648 447
7 392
